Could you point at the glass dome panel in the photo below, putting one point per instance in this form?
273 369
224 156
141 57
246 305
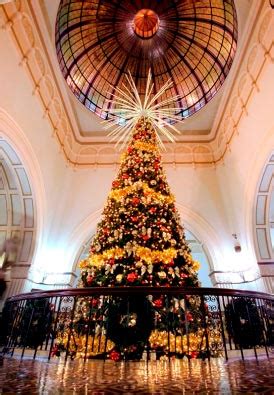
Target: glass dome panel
191 42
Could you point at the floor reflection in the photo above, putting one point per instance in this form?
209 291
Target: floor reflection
98 377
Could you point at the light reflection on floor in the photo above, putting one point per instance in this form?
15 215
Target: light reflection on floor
99 378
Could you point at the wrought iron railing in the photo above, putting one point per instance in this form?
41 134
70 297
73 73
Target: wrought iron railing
139 323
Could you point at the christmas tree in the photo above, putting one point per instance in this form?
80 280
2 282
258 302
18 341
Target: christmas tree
139 242
140 239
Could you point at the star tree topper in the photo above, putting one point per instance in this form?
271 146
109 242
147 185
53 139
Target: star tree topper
130 107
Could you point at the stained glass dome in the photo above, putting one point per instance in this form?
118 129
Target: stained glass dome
193 42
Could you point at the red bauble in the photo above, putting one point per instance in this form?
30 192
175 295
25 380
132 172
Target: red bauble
115 184
129 150
152 210
194 354
183 275
131 277
145 237
94 302
111 261
115 356
171 263
134 219
89 280
189 316
125 176
55 351
158 303
135 201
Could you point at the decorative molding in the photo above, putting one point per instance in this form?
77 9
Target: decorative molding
79 151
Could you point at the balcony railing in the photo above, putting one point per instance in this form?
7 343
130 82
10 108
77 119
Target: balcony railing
139 323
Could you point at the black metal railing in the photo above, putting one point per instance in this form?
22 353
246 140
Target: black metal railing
139 323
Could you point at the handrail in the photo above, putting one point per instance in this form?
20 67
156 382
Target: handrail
93 322
139 290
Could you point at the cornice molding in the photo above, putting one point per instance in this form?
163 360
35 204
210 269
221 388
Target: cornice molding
18 20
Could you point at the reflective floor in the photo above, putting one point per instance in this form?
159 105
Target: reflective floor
162 377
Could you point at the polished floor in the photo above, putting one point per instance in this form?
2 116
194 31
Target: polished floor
161 377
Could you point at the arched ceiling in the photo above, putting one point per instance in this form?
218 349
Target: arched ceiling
193 43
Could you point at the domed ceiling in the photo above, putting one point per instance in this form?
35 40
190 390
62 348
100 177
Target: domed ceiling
192 42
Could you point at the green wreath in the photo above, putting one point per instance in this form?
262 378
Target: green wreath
129 324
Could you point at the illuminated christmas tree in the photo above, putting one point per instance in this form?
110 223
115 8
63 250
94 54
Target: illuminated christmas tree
140 239
139 242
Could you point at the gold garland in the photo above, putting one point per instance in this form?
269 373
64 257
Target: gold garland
119 194
145 254
89 347
193 342
140 145
155 256
145 146
98 260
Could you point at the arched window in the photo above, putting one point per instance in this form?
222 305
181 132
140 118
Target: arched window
17 219
200 255
264 224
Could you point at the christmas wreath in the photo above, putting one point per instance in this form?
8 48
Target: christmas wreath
244 323
129 325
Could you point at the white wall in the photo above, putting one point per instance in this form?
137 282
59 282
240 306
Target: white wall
240 175
32 141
